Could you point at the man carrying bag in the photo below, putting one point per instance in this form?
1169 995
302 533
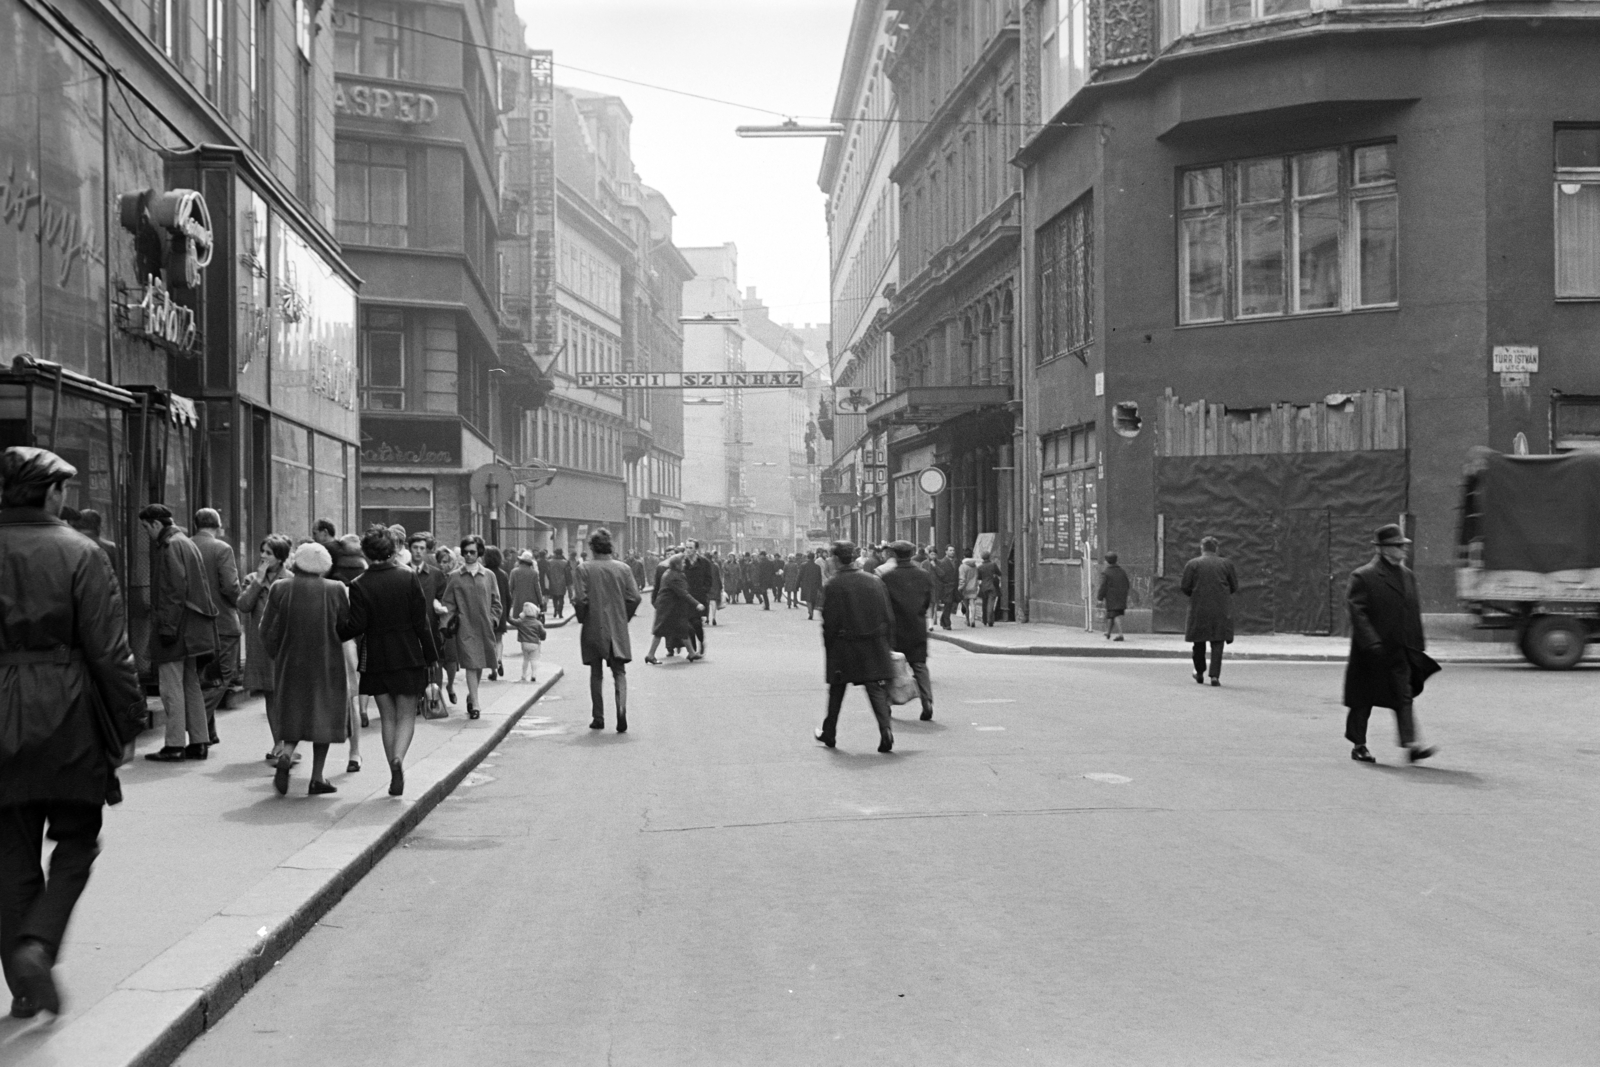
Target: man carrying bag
1387 663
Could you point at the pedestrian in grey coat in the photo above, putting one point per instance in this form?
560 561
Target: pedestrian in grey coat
1388 664
604 598
473 597
183 616
305 613
1209 581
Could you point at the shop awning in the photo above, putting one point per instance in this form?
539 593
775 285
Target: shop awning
929 405
48 373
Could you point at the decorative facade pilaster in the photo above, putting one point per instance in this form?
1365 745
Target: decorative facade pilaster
1123 32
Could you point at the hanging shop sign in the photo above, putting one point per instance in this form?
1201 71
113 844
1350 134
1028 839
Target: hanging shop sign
378 102
151 314
778 379
542 208
171 234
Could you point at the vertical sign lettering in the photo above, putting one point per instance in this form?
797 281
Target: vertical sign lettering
542 145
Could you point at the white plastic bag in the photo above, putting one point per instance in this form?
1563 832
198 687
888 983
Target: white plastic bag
903 686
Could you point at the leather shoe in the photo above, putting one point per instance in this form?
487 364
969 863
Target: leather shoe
1216 681
597 723
887 744
280 777
167 754
318 788
927 715
825 740
622 724
1361 755
23 1008
195 751
31 964
1199 678
1417 753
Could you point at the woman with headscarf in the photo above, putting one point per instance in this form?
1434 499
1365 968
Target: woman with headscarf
304 615
473 597
676 609
389 610
273 555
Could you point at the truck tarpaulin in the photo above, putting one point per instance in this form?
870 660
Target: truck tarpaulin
1540 513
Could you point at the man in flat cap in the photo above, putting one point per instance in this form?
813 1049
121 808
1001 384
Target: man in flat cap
911 596
70 708
1387 663
858 636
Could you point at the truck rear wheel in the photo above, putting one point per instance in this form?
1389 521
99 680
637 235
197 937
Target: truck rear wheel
1555 642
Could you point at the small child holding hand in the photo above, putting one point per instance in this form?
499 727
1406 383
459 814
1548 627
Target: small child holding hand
530 635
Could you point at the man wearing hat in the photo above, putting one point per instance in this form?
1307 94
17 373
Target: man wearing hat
70 708
1387 663
911 595
858 635
183 629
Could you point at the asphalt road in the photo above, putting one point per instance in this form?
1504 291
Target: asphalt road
1079 861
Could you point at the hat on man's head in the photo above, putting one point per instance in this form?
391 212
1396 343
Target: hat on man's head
1390 535
903 549
24 470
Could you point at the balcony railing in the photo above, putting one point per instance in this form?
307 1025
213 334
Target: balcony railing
1181 18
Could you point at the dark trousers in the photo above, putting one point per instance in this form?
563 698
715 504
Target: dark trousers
944 611
597 687
556 600
228 660
766 599
919 671
1355 722
1216 658
30 906
877 694
988 607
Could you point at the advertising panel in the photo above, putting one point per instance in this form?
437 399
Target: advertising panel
542 211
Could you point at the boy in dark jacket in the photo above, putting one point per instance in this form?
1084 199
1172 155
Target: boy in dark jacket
1114 593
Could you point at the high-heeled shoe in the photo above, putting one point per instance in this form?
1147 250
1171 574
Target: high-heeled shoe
280 777
397 778
354 766
365 722
450 691
472 710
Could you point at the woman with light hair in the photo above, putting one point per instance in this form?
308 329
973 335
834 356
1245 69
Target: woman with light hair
300 629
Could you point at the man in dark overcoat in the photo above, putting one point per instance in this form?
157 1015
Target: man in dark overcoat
701 575
947 573
811 584
222 573
556 580
1388 663
766 574
911 596
183 630
858 635
70 708
1209 581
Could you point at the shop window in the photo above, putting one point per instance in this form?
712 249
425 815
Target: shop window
1577 194
370 38
1066 281
1282 235
291 480
383 361
373 194
330 486
1068 494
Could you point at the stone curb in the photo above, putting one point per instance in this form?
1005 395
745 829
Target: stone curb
1119 650
154 1014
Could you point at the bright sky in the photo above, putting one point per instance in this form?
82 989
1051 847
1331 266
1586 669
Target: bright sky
760 194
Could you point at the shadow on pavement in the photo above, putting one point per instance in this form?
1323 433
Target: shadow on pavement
1436 776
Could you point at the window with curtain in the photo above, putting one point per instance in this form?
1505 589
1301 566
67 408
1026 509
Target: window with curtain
373 205
1066 281
1577 193
1283 235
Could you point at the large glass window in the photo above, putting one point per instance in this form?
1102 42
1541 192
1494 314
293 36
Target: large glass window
1577 191
1068 494
373 194
291 480
1066 281
383 360
1312 232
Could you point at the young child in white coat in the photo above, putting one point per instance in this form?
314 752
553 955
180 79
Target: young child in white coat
530 635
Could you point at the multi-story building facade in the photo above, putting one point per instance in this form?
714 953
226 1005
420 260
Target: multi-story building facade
168 264
1290 263
663 270
419 143
784 480
954 401
716 491
863 217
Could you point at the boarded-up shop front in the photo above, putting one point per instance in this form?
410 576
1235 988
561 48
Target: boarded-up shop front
1292 492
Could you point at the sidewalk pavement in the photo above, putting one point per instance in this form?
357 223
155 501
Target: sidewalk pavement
207 876
1049 639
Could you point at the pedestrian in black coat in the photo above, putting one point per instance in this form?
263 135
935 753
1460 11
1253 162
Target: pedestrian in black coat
1113 593
947 573
911 596
1388 664
1209 581
811 584
857 634
70 708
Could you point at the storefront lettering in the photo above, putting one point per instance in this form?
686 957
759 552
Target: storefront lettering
59 227
410 442
157 318
376 102
386 452
333 378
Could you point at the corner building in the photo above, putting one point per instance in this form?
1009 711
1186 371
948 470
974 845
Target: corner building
1273 252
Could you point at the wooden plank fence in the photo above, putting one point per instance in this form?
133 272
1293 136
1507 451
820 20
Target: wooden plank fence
1361 421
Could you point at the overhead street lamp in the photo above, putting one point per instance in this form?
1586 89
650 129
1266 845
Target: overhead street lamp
791 128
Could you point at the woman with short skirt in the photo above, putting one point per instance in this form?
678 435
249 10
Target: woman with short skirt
473 597
305 613
389 611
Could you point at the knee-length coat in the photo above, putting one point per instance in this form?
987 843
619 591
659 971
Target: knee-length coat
300 629
1209 581
676 608
1387 665
857 628
252 609
389 609
475 600
605 597
810 580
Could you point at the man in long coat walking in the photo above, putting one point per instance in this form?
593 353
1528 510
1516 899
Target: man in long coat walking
946 573
1209 581
555 581
70 708
604 599
911 595
857 634
1388 663
811 584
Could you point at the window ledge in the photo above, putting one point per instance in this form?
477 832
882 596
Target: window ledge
1299 316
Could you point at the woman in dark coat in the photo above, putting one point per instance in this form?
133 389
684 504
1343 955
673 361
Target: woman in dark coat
1209 581
389 609
305 613
1113 592
676 610
495 560
270 568
791 580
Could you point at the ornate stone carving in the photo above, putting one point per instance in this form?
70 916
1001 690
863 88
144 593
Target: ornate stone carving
1125 32
1028 70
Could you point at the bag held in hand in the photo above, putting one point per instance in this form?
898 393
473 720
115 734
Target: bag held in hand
903 686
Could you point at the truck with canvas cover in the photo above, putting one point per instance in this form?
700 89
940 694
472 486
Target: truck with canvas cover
1528 554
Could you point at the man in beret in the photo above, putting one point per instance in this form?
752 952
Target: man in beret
183 629
1387 663
70 708
858 635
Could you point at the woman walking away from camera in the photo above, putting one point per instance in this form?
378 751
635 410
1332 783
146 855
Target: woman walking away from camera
389 609
473 597
676 611
305 613
967 589
604 601
270 567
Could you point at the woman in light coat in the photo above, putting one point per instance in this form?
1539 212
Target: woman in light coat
301 627
473 597
258 671
967 586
